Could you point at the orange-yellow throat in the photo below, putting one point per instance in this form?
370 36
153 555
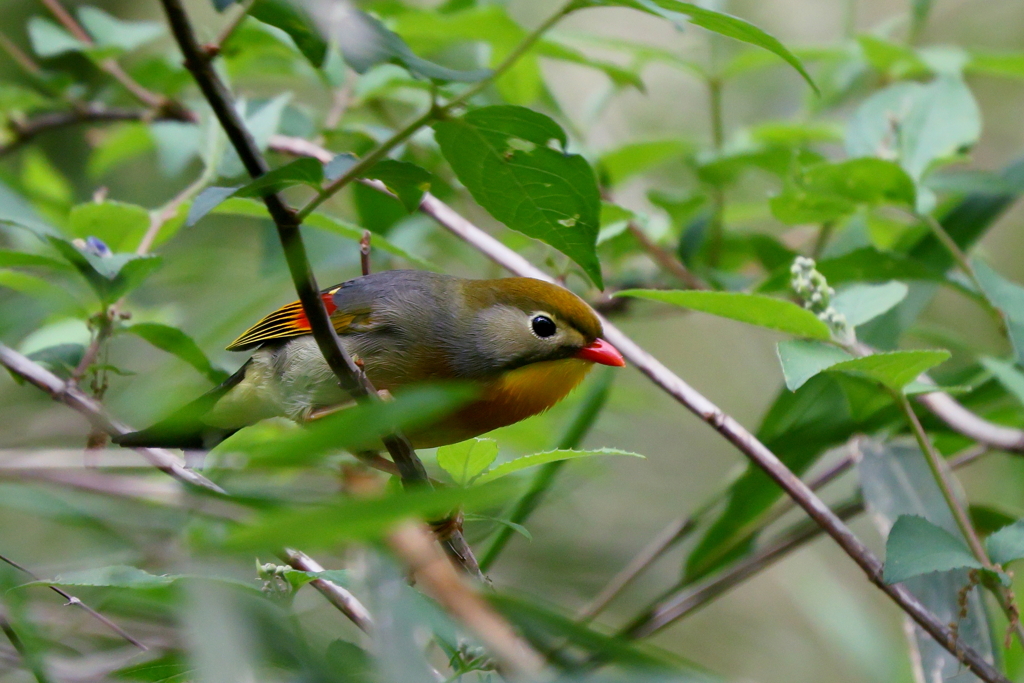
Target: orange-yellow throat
514 396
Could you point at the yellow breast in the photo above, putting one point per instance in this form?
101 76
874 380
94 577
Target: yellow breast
514 396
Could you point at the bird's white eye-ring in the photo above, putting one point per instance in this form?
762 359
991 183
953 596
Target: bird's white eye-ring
543 326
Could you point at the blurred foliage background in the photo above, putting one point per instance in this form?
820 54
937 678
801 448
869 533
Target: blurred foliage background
811 617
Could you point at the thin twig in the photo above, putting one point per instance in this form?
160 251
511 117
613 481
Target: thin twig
346 603
667 261
24 131
241 12
72 600
350 377
16 53
364 252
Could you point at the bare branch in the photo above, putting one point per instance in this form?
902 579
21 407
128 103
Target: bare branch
24 131
666 261
347 603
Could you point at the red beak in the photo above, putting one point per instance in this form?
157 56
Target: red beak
602 352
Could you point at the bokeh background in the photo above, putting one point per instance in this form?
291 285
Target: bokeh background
811 617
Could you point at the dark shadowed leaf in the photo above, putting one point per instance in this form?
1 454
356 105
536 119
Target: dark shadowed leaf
174 341
916 546
292 18
503 155
365 42
756 309
207 201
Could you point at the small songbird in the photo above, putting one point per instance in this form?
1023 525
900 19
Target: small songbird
526 344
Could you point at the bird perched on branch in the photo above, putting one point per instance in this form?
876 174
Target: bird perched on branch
526 343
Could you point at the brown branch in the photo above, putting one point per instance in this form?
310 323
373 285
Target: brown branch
346 603
350 377
24 131
665 260
72 600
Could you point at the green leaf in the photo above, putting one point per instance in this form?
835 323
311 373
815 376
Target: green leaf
407 181
174 341
116 576
828 192
255 209
365 42
359 519
1009 376
916 546
16 98
1008 297
1007 544
304 171
50 40
20 259
109 31
112 276
208 200
170 668
756 309
717 22
120 226
803 359
292 18
362 426
503 156
936 121
465 460
637 158
507 468
1010 64
861 303
894 369
517 528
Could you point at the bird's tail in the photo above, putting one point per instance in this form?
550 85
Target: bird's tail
185 428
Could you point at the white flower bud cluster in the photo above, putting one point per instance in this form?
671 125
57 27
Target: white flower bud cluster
812 287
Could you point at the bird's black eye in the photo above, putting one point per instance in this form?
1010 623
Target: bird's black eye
543 326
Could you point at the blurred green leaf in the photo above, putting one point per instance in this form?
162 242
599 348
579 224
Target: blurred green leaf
465 460
116 576
408 181
755 309
507 468
170 668
208 200
119 225
866 264
128 142
365 42
366 519
502 154
915 546
174 341
620 76
1008 297
263 120
1007 374
362 426
109 31
20 259
803 359
1010 64
292 18
50 40
891 58
17 98
637 158
861 303
1007 544
828 192
60 359
717 22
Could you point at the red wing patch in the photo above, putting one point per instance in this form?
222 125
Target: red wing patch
287 322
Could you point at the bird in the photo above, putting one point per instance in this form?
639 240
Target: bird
524 343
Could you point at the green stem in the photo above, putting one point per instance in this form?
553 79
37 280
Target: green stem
584 419
432 114
824 234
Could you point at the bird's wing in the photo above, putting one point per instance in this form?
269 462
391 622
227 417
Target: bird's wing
290 321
